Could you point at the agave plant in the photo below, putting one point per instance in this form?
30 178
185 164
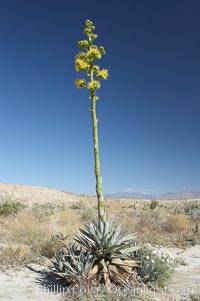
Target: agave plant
104 251
85 61
73 264
111 249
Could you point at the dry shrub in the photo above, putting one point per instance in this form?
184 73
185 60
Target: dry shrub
29 239
153 204
18 257
151 226
26 232
25 229
178 223
21 252
78 205
147 223
67 221
4 224
149 220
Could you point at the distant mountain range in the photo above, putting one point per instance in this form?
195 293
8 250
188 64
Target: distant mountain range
181 195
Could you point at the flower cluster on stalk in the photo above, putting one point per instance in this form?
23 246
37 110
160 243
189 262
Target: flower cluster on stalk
85 61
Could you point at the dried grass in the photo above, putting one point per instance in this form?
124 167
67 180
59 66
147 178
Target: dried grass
178 223
29 237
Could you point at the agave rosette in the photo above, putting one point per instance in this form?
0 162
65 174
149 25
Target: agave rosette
111 247
72 264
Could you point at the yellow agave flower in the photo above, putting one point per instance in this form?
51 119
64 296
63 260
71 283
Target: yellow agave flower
93 85
102 74
80 83
96 68
80 64
94 54
83 44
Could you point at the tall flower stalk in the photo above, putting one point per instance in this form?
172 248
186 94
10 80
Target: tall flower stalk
105 252
85 61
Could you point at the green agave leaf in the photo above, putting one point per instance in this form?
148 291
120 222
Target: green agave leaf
86 239
117 233
92 229
82 242
94 241
110 249
127 238
115 236
116 261
87 235
108 242
108 228
130 249
98 232
61 274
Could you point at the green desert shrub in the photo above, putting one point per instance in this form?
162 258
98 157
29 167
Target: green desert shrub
87 214
156 266
192 210
40 211
9 208
195 297
78 205
104 293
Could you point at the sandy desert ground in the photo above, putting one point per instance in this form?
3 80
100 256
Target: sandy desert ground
24 285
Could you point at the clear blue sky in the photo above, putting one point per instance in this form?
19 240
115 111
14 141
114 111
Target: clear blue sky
149 108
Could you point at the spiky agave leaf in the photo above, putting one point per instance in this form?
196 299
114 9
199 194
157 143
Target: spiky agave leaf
110 242
73 264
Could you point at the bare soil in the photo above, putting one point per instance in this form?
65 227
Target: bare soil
26 284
